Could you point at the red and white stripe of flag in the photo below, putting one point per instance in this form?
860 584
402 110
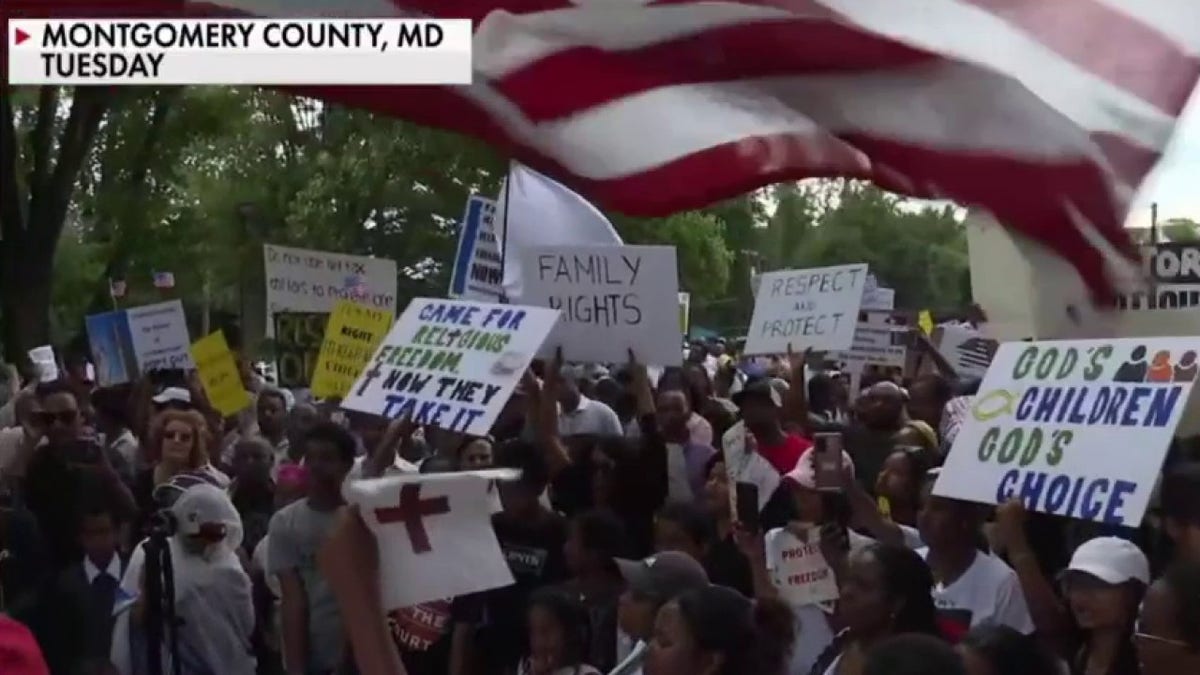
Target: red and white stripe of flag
1049 114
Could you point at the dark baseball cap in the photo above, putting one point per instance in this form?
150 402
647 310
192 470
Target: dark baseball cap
759 388
663 576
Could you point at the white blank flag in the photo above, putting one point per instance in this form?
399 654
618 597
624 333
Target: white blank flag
435 534
543 212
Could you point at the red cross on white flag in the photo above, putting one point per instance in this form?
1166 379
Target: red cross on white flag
435 534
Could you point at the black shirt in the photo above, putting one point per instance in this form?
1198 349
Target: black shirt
533 549
727 566
53 489
423 636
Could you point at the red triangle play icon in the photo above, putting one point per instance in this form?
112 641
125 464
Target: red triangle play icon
21 36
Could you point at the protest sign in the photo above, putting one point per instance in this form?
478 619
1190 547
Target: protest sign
159 336
451 363
799 569
298 337
45 364
219 374
876 297
1074 428
352 335
299 280
743 464
685 311
814 308
112 348
613 299
434 533
1174 268
875 345
967 350
478 266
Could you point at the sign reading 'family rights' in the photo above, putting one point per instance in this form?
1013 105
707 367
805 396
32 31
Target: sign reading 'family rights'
1077 429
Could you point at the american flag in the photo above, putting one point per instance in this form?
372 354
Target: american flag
1049 113
977 352
164 280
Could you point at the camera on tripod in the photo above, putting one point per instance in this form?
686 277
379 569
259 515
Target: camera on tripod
161 622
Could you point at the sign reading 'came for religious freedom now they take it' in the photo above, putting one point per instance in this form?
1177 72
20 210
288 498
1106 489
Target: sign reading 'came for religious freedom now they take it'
613 299
814 308
1073 428
451 363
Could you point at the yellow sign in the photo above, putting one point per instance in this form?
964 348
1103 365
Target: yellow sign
219 374
925 321
353 334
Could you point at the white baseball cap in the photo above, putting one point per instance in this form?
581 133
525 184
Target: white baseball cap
1111 560
173 395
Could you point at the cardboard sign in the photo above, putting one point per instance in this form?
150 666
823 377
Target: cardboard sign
299 280
876 345
876 297
815 308
478 265
353 334
298 338
219 374
45 364
612 298
159 336
743 464
799 569
451 363
112 348
1074 428
434 533
1175 271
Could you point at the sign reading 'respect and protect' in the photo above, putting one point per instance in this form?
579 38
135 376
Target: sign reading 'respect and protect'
815 308
1073 428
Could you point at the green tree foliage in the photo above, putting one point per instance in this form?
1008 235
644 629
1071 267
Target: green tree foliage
701 251
103 183
1182 230
919 250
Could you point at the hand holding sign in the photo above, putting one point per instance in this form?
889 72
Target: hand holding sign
349 561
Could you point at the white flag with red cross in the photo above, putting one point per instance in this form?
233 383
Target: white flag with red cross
435 534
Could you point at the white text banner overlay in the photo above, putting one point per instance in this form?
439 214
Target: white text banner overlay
239 51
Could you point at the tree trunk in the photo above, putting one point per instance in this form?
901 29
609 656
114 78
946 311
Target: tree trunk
25 294
33 211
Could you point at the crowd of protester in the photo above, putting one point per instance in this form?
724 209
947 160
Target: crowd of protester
627 555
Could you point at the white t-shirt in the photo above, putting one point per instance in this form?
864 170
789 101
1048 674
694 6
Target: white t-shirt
813 632
987 593
589 417
10 445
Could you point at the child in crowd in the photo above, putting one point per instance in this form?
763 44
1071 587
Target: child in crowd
558 635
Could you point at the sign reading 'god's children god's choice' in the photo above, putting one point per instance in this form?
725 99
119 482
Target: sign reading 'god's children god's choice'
814 308
1073 428
613 299
451 363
